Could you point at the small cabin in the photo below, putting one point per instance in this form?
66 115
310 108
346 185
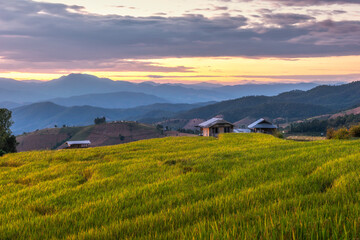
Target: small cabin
262 126
215 126
78 144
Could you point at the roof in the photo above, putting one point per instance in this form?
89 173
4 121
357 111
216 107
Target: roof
240 130
78 142
262 123
212 122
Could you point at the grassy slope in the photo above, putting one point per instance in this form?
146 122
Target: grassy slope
239 186
100 135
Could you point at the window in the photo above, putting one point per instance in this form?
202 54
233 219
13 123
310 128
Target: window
226 129
215 130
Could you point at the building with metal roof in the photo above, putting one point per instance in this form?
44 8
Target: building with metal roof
242 130
215 126
78 144
262 126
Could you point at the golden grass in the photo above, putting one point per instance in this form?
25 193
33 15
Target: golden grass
240 186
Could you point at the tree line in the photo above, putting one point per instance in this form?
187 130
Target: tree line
321 126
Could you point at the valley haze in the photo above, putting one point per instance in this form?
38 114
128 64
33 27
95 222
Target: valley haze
77 99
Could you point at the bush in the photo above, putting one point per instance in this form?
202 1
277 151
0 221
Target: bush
2 153
342 133
9 145
355 131
278 134
330 133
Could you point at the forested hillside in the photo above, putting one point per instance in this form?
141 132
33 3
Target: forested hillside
255 107
320 126
291 105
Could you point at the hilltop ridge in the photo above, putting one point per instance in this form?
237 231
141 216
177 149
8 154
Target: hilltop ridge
292 105
83 84
112 133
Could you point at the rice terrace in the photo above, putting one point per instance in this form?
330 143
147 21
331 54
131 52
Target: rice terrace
179 120
239 186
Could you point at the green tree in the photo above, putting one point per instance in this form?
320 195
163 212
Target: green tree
99 120
330 133
355 131
122 138
7 140
342 133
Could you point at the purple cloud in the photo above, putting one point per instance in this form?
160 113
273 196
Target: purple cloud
45 35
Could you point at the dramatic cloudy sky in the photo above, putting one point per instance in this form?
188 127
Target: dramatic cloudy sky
182 40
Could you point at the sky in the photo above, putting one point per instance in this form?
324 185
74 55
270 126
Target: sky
224 41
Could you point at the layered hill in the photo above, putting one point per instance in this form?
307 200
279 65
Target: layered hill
9 105
110 100
47 115
291 105
255 107
82 84
240 186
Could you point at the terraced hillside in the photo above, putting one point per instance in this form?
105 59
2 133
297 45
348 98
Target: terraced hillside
240 186
99 135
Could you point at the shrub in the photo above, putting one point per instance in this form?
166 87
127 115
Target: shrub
278 134
2 153
330 133
355 131
342 133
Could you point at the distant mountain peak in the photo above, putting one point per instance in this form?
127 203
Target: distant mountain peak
79 77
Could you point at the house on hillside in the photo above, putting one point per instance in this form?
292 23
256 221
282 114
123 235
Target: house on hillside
262 126
215 126
78 144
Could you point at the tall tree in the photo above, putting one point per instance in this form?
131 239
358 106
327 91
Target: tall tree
7 140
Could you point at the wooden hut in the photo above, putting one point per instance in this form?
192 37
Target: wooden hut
262 126
78 144
215 126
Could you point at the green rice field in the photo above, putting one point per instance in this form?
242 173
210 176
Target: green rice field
239 186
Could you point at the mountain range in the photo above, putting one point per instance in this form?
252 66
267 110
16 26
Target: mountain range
77 99
290 105
77 86
293 105
110 100
47 114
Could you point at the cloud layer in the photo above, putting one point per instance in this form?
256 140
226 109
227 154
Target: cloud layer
303 2
314 2
42 35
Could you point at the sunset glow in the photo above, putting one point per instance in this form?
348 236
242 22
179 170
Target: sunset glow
209 40
228 70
